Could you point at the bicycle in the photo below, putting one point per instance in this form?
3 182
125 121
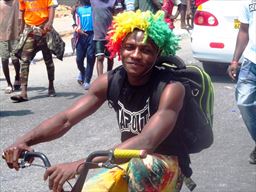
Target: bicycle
25 158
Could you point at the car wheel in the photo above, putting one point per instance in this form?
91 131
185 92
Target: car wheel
213 68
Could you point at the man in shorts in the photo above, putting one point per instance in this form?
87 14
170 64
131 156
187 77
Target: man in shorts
9 32
102 13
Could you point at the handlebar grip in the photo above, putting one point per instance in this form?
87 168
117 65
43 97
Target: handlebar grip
129 153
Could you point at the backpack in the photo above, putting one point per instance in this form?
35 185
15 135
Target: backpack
196 132
195 125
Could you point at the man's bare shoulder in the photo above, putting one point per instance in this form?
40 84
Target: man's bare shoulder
173 95
100 85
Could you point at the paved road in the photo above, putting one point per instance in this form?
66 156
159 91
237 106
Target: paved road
222 168
67 2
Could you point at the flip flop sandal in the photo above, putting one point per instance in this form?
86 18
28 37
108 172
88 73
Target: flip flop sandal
18 98
16 85
8 90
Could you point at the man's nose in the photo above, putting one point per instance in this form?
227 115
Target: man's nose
136 53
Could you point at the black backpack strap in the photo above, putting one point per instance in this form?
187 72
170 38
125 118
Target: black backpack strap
171 61
116 79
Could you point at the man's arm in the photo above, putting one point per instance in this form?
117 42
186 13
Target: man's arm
21 22
241 43
161 124
59 124
48 25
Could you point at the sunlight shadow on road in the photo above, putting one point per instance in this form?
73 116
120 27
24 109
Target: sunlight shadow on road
67 95
15 113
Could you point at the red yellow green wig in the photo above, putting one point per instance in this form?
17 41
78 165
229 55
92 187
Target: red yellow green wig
153 26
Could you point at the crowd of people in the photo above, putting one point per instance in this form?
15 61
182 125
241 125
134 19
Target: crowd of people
138 44
89 37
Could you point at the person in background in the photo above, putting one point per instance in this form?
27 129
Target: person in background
182 7
9 33
36 23
102 18
246 83
138 45
167 7
85 46
193 4
74 37
146 5
119 7
73 10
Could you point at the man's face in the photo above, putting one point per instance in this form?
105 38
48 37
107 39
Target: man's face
138 57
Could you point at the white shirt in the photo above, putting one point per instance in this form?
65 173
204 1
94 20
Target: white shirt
248 16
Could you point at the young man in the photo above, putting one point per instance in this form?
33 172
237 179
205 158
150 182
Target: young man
102 18
9 33
37 19
85 45
246 84
142 126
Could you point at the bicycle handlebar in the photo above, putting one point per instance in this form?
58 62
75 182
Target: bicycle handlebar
111 154
118 154
27 155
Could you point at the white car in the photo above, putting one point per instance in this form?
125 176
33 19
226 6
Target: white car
213 37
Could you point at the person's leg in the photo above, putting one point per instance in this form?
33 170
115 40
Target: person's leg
154 173
110 64
90 61
5 54
246 97
27 54
80 55
47 55
100 55
100 61
5 67
16 64
182 9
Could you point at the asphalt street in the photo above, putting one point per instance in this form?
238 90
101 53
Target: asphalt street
223 167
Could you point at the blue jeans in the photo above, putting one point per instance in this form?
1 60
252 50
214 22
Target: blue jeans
85 48
246 95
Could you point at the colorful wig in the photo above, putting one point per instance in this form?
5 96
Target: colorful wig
153 26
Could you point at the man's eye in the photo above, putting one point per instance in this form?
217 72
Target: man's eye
146 50
129 47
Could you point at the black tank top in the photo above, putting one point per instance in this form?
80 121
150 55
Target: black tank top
134 109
